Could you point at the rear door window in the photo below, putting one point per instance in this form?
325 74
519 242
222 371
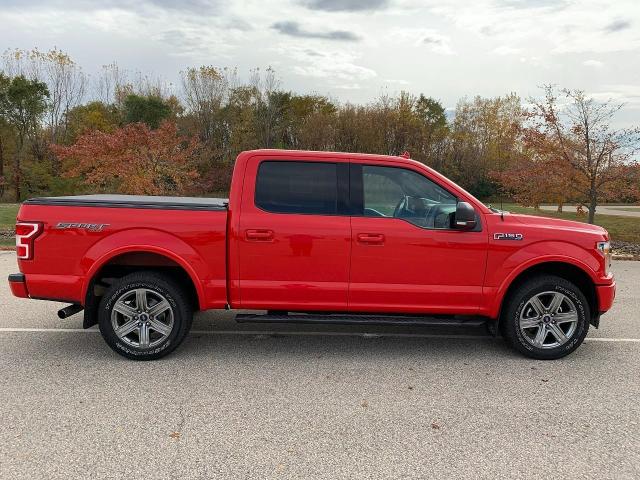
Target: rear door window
297 187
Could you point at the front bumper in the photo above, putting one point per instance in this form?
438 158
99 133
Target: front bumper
606 295
18 285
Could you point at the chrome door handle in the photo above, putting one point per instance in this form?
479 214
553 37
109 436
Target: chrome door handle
371 238
259 235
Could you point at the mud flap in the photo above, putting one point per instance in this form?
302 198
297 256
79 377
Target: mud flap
91 305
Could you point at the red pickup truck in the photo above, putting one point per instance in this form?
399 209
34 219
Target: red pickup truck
314 237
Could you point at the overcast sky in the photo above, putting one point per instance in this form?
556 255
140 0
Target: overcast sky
354 49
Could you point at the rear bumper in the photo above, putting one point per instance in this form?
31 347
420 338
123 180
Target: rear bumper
18 285
606 295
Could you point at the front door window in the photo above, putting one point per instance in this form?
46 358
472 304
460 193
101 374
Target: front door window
404 194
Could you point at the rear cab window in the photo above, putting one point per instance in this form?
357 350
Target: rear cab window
315 188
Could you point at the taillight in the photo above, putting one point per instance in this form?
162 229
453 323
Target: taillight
26 233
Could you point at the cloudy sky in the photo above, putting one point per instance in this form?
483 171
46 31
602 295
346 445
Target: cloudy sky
354 49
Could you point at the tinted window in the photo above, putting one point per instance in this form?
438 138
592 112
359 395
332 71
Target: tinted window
297 187
400 193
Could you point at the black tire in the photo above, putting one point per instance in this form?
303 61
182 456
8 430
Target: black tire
542 288
154 285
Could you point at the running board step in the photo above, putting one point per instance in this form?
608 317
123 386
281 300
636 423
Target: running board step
346 319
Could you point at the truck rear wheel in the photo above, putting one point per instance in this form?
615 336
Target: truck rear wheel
547 317
144 316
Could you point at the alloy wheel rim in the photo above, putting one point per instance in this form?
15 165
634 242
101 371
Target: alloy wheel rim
142 318
548 320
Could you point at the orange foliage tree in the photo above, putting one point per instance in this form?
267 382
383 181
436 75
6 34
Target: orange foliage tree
579 130
571 152
133 160
531 180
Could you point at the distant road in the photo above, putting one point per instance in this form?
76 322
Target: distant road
619 210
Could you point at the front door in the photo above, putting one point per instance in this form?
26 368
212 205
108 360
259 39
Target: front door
294 235
406 257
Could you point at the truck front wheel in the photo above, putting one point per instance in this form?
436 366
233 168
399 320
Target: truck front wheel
546 317
144 316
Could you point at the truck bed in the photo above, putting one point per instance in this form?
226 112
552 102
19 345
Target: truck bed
133 201
82 232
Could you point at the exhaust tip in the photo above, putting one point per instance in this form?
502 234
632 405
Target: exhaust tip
70 310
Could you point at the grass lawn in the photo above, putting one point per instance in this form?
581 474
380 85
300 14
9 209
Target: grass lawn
626 229
7 243
8 212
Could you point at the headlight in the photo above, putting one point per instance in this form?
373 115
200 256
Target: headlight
605 249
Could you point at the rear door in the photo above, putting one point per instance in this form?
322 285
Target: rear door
294 240
406 257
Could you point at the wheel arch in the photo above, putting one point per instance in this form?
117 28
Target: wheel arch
121 261
571 271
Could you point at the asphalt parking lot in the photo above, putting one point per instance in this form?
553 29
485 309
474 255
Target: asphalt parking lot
288 401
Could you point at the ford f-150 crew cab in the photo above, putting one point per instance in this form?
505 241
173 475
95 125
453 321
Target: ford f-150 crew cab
314 237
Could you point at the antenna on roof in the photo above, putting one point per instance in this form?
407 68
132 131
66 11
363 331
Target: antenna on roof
406 154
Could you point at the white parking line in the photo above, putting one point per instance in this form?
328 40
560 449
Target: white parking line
46 330
284 332
606 339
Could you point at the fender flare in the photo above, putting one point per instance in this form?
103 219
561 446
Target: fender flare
113 245
501 291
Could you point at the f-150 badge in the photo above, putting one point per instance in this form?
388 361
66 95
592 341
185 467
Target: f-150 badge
94 227
508 236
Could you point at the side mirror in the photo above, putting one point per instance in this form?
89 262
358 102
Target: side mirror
465 216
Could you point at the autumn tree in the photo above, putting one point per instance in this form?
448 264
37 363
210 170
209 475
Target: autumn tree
65 80
578 129
66 83
91 116
551 153
206 91
435 130
134 159
108 83
536 174
392 125
22 105
485 139
270 108
532 179
6 141
353 128
310 122
151 110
